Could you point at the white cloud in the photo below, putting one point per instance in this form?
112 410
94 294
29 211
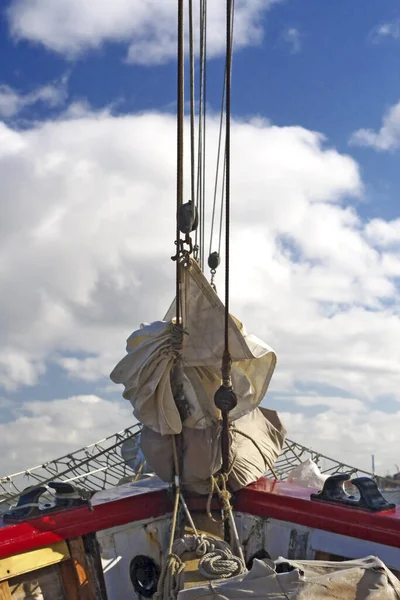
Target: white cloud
386 138
13 102
87 233
387 30
42 431
351 437
148 28
384 233
89 224
292 36
336 403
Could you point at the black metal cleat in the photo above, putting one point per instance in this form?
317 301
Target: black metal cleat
370 498
68 495
29 507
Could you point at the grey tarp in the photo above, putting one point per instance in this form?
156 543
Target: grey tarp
250 458
362 579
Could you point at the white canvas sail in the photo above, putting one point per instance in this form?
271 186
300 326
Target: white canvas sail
145 370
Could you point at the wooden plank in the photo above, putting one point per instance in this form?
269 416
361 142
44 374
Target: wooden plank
42 584
95 567
31 561
86 585
70 580
5 593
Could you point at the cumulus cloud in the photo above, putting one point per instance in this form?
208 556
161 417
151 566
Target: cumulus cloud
42 431
148 28
88 228
384 234
292 36
386 138
87 233
13 102
350 436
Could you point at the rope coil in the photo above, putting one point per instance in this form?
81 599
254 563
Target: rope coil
221 564
171 578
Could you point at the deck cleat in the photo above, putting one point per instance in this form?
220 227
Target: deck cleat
369 496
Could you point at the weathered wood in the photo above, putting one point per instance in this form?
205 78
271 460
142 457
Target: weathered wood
203 523
43 584
70 580
320 555
31 561
93 556
86 585
5 593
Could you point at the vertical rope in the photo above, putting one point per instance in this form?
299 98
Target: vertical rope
202 224
225 398
227 165
179 162
216 182
192 108
200 133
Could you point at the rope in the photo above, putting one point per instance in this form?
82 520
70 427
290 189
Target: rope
217 562
201 133
217 559
221 121
201 544
192 107
202 224
223 494
180 132
221 564
171 579
225 499
228 164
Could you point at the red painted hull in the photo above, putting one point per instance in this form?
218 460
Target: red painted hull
266 498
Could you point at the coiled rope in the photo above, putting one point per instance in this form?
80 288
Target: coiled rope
217 562
217 559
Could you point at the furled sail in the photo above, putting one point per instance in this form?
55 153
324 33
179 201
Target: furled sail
145 370
256 435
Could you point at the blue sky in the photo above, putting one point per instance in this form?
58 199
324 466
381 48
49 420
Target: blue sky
335 76
69 78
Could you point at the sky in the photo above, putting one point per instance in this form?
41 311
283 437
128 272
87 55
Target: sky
87 193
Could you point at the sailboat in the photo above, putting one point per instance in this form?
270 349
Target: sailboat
204 496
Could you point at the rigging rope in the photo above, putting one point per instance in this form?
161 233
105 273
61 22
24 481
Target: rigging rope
180 131
201 132
227 166
225 398
192 109
203 187
217 170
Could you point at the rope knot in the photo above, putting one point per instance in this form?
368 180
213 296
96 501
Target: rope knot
221 564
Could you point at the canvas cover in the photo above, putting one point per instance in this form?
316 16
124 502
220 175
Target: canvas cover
250 454
363 579
145 370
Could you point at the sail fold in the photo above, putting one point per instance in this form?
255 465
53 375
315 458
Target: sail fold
146 369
